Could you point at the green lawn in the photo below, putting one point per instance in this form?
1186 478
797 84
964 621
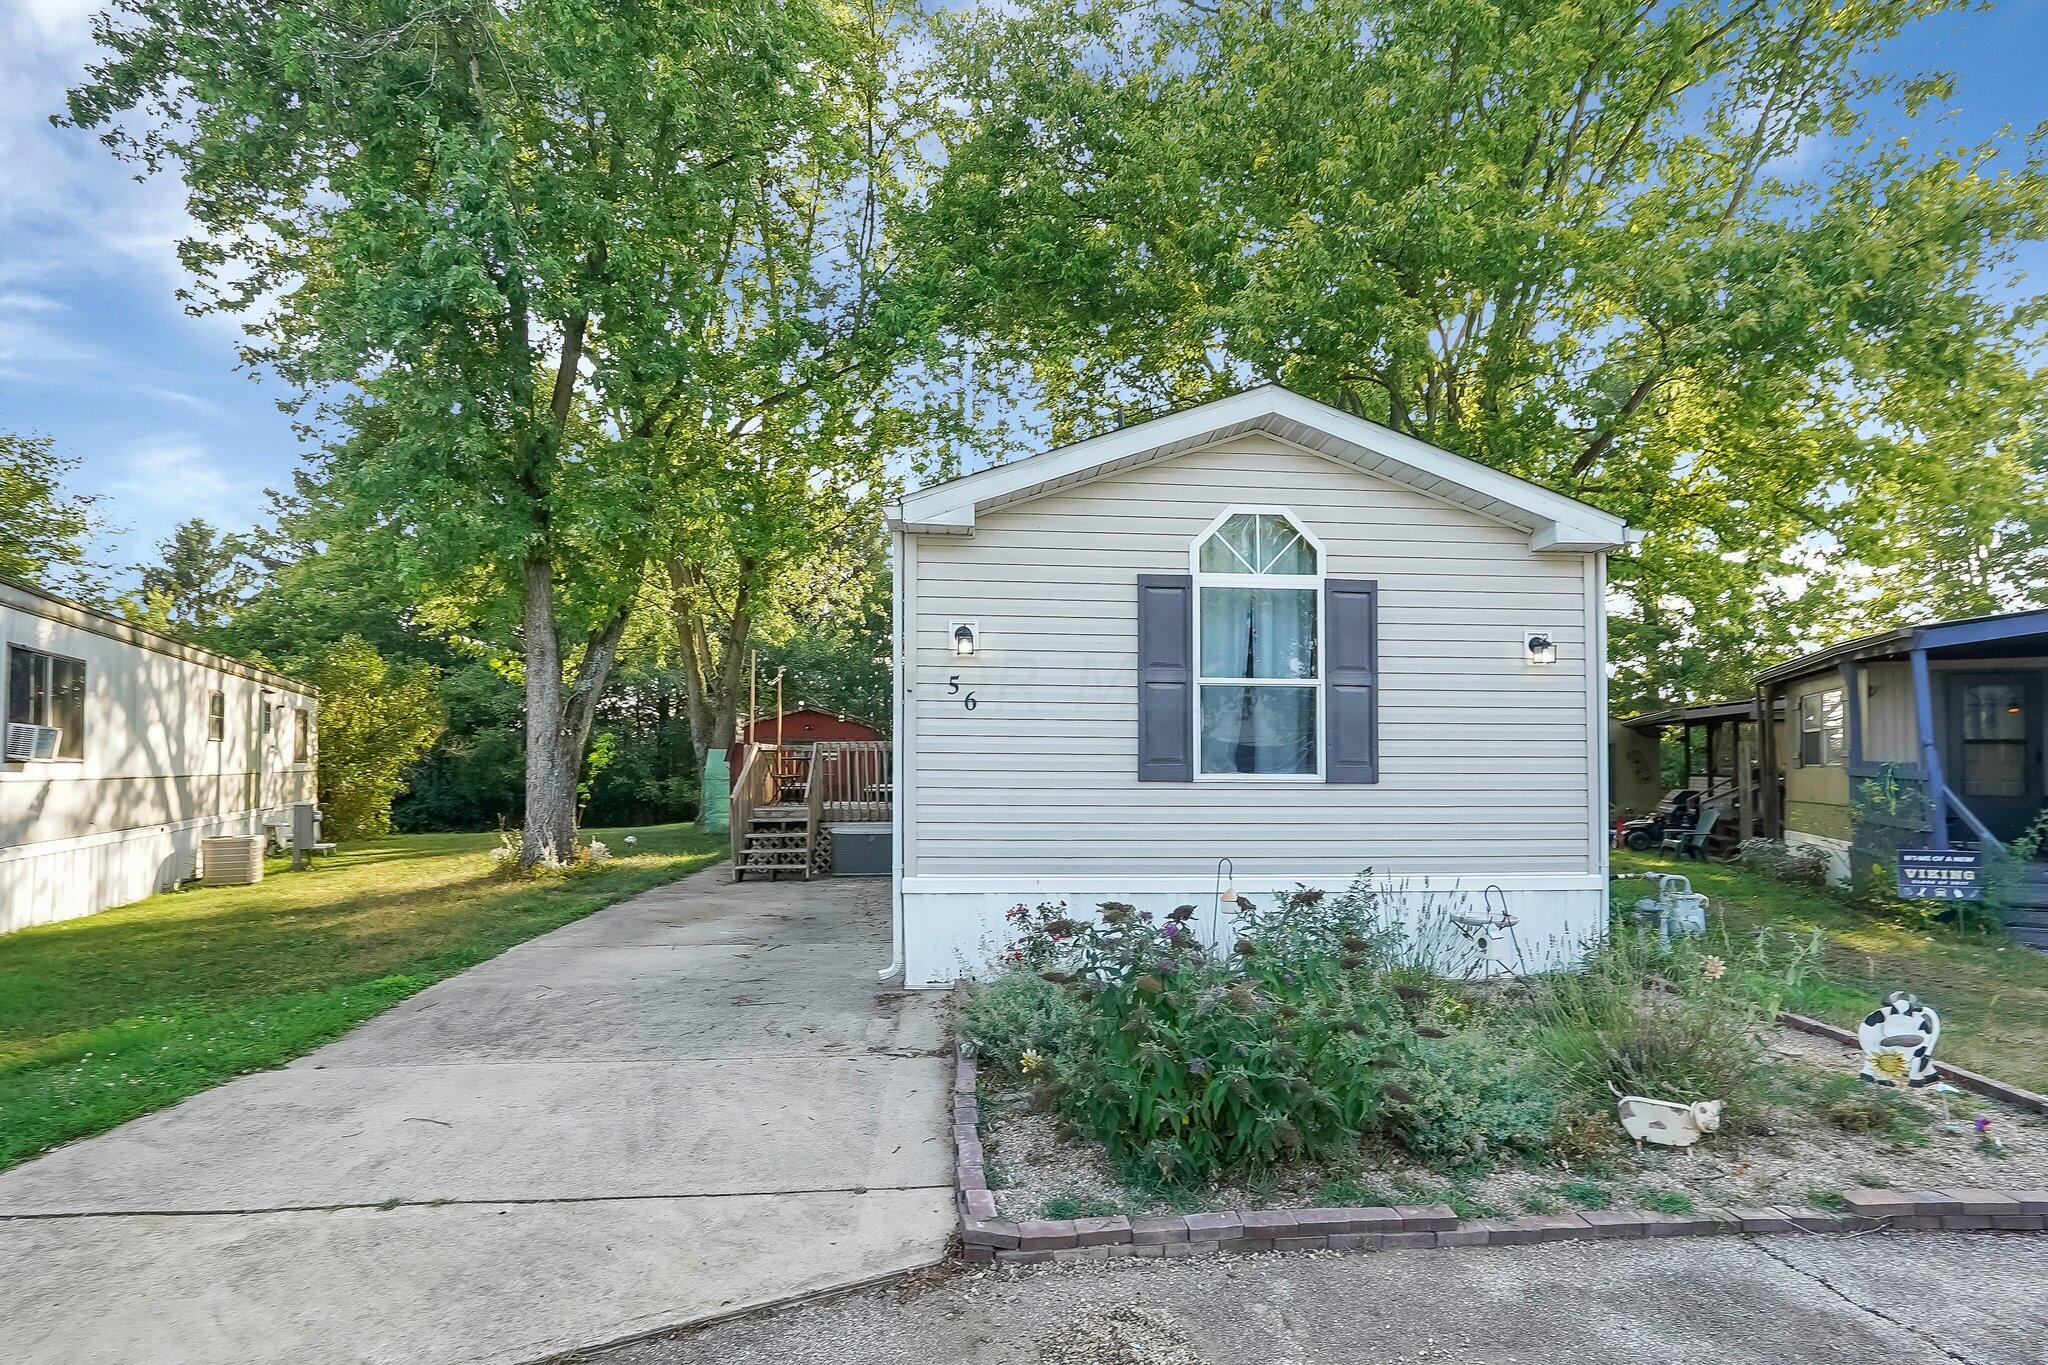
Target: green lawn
116 1014
1992 994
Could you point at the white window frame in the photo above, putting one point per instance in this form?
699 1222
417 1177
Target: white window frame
1833 745
1314 582
50 659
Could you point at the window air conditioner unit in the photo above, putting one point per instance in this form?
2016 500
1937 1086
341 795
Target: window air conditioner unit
31 742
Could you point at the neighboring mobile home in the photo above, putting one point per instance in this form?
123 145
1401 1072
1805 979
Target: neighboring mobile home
1263 630
1927 736
124 749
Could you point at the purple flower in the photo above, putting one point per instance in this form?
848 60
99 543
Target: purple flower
1983 1126
1197 1067
1172 929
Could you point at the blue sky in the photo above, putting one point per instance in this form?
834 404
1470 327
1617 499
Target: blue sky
97 352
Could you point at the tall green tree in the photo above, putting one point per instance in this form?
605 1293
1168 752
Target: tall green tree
48 528
201 579
377 718
1665 257
489 237
830 372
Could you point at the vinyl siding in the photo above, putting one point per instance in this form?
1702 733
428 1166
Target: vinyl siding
1891 733
1486 762
76 837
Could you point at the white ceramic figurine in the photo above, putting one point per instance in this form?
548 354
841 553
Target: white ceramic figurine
1668 1124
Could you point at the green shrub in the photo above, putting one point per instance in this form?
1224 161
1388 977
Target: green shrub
1611 1030
1193 1061
1460 1100
1018 1013
1803 866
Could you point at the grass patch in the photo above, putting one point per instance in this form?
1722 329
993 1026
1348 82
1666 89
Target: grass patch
1586 1194
1992 994
1831 1200
1665 1201
113 1015
1080 1206
1349 1192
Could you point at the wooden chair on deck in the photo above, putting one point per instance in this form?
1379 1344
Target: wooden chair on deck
1692 843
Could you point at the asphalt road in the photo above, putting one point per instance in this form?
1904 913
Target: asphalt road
1877 1299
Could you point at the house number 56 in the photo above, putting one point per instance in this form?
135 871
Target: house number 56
953 685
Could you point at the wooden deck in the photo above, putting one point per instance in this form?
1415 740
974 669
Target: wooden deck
788 796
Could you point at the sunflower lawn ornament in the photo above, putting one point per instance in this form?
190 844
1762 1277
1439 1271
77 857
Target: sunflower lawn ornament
1898 1042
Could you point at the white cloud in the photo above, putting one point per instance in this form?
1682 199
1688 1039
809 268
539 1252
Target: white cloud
162 480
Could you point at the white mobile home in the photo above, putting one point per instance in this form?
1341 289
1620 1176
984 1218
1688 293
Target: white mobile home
125 748
1259 629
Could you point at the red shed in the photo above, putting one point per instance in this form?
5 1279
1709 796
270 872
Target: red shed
801 726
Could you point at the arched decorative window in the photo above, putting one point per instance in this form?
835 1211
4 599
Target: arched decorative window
1258 709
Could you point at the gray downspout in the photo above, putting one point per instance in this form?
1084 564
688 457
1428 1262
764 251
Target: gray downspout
1930 752
898 682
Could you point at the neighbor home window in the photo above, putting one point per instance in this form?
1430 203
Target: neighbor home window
1258 619
1820 729
48 689
216 716
302 735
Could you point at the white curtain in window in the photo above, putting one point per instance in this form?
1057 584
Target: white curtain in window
1258 633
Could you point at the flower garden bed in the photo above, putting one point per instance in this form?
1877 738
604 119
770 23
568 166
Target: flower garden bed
987 1238
1315 1086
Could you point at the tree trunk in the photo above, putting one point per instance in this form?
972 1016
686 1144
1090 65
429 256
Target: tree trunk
558 719
714 663
549 831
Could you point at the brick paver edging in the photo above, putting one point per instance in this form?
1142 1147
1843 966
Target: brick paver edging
986 1239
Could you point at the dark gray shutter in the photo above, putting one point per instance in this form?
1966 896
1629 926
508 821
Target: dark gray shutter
1351 706
1166 677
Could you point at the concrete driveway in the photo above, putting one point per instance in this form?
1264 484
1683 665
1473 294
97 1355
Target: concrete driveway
693 1102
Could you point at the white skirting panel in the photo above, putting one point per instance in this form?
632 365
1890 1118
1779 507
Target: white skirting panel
63 879
1835 850
955 926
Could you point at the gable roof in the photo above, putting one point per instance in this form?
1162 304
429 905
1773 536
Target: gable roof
1554 521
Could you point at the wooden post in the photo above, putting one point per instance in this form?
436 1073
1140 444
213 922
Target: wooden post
1767 763
1745 810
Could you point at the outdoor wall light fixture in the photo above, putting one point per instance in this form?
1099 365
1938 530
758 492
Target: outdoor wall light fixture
1539 648
966 635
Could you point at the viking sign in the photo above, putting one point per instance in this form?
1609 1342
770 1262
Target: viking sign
1898 1042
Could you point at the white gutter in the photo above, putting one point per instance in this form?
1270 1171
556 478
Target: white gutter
898 676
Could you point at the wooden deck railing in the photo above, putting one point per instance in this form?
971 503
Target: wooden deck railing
755 788
853 778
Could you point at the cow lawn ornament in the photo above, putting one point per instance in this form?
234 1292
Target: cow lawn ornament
1666 1123
1898 1041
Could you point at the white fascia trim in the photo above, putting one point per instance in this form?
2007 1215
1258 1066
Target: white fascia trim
1566 524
